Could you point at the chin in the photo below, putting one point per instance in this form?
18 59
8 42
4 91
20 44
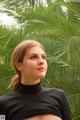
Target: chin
41 76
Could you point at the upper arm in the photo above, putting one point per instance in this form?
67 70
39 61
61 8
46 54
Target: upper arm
66 113
1 108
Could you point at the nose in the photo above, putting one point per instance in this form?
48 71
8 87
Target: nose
40 60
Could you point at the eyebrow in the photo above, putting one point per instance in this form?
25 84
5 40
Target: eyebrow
37 54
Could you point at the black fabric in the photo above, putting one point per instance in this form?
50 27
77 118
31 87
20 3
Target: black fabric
31 100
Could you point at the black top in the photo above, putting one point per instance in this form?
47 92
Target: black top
31 100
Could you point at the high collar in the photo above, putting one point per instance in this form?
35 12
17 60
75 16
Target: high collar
29 88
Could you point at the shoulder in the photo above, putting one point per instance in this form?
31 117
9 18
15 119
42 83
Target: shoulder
54 90
5 97
55 93
5 101
60 95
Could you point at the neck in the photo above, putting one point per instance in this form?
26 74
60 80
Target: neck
29 82
29 89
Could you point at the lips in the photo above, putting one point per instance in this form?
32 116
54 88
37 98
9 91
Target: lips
41 68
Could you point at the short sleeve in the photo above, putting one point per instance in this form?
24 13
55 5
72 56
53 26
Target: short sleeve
66 113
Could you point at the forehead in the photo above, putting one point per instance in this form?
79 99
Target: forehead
36 50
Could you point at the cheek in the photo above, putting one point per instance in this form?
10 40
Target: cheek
46 65
30 65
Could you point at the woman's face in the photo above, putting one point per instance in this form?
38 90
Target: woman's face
34 65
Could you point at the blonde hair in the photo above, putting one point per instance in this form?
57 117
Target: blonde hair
17 57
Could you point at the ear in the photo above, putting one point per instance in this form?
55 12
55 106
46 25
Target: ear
18 66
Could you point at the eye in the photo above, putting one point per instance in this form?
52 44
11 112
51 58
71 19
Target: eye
44 57
34 57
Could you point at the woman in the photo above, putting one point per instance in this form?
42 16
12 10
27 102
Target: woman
28 100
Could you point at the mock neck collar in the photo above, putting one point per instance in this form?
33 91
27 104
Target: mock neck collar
29 88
